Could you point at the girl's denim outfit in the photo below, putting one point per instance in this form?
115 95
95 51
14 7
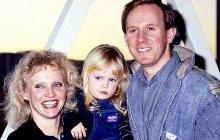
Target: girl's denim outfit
180 102
105 124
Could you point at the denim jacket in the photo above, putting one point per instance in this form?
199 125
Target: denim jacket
188 107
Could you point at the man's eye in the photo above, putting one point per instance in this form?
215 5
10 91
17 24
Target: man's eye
150 29
131 30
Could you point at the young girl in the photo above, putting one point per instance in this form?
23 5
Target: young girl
102 107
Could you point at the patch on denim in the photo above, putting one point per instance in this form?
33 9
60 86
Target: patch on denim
170 136
112 118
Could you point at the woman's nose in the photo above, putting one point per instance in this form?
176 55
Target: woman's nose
50 92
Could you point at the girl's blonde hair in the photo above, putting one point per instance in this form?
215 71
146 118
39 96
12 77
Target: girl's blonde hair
100 58
17 109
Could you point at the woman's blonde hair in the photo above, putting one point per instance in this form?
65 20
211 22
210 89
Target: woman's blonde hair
17 109
100 58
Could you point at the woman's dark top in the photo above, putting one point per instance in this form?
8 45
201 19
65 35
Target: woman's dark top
30 131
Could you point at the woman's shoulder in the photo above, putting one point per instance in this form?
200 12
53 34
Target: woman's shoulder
27 130
26 127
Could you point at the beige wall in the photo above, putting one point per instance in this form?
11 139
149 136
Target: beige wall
206 11
27 25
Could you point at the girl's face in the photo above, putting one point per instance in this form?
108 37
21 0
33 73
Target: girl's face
46 93
103 84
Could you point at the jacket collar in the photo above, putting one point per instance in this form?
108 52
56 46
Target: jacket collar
186 56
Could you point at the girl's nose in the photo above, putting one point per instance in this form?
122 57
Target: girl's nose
105 84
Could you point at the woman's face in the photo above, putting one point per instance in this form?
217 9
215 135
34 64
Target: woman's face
103 84
46 93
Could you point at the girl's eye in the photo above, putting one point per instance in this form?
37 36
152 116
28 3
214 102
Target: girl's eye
98 78
113 79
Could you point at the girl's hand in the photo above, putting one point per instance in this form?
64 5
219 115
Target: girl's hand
79 131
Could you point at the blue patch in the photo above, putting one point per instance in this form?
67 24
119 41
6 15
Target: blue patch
112 118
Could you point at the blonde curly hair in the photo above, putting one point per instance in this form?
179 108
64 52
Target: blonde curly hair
17 109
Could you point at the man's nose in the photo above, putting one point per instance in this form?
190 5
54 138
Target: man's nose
142 36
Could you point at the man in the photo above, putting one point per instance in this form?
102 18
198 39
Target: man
168 97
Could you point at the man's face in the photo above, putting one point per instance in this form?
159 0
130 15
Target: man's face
146 36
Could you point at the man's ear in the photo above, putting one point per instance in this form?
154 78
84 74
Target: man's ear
126 40
171 34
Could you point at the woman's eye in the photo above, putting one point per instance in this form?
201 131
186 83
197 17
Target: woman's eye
58 84
38 86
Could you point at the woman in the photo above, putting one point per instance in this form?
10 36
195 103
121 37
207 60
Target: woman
37 92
